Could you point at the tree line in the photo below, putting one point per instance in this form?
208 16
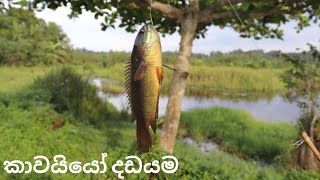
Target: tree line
28 40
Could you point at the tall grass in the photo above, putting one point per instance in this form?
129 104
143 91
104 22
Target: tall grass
206 77
69 92
239 133
235 78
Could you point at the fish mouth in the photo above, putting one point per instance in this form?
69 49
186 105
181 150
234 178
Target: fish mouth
147 35
149 28
151 34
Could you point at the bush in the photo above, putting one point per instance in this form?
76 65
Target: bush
69 92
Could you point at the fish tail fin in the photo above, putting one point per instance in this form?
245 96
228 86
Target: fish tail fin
143 137
153 125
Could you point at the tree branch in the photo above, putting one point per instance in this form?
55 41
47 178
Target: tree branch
214 6
314 119
165 9
206 18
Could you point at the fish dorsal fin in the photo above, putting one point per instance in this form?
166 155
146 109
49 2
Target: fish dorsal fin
141 71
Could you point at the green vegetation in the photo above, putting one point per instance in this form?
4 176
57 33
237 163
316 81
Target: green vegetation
27 40
303 81
238 132
238 78
221 165
69 92
13 79
201 77
30 126
238 58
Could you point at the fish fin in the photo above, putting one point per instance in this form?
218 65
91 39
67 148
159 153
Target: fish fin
128 88
153 122
159 74
153 125
143 136
141 71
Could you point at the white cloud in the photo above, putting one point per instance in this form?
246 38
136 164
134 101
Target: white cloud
85 31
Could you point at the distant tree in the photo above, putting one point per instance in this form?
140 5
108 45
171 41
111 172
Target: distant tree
274 54
303 81
192 18
27 40
216 53
238 51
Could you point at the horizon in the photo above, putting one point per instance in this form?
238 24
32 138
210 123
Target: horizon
208 54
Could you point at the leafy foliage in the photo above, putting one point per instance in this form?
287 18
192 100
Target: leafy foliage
258 15
27 40
303 80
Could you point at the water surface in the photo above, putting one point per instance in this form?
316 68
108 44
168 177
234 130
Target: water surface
273 109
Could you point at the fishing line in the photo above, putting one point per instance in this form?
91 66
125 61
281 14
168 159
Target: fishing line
150 16
150 12
254 43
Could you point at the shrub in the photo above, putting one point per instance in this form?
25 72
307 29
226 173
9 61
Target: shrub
69 92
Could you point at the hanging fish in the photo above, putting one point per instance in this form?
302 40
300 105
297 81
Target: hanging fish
143 79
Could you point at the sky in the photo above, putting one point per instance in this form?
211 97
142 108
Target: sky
85 32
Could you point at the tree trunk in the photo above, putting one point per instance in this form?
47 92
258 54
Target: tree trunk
178 83
306 159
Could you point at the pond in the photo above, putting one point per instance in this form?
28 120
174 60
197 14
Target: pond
274 109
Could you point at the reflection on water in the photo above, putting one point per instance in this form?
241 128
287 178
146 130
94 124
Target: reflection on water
268 108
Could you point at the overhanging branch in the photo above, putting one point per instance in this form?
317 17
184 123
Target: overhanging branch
206 18
165 9
207 12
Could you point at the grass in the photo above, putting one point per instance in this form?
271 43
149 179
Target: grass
14 78
26 127
235 78
22 130
201 77
221 165
68 91
238 132
28 133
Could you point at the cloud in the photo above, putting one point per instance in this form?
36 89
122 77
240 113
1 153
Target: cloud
85 32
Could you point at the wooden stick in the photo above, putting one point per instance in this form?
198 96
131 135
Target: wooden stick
310 144
173 69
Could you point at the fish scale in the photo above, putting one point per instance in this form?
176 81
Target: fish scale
143 79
